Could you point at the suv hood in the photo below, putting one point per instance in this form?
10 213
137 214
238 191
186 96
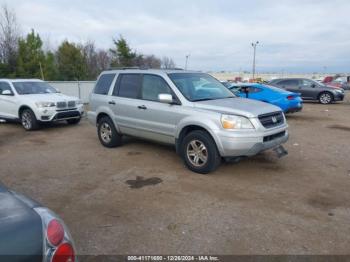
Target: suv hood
238 106
20 228
53 97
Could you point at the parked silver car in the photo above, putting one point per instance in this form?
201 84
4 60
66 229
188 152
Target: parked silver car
190 110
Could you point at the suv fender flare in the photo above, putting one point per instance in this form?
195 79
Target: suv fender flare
106 111
192 122
22 107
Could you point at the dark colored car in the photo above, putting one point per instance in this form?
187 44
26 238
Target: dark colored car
30 232
310 89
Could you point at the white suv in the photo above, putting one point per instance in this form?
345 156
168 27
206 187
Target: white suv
34 101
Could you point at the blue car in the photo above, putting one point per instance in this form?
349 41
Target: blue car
289 102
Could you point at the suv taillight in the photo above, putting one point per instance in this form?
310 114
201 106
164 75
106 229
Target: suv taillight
58 244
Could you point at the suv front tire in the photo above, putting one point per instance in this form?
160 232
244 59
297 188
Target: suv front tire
107 133
200 153
28 120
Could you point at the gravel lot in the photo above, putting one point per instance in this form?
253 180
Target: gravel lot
299 204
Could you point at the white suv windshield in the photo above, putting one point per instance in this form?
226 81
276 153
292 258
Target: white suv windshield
28 88
199 86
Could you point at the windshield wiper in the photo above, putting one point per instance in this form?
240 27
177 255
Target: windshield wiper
203 99
210 98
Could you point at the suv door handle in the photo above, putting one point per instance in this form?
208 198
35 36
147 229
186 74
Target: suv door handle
143 107
111 102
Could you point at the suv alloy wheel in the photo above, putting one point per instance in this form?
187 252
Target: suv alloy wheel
200 153
28 120
107 133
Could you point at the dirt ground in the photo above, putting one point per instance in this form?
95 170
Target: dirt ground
299 204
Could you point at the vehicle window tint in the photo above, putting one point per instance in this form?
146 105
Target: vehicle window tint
5 86
289 82
129 85
152 86
254 89
306 83
103 84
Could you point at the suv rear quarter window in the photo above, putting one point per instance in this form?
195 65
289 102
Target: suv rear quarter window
103 84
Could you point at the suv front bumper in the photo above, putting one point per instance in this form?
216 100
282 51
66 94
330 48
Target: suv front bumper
53 114
236 144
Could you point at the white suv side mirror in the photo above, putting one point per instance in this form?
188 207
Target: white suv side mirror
165 98
7 93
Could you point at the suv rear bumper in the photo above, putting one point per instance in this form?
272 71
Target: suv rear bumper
231 145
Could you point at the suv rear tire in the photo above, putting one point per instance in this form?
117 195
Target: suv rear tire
28 120
325 98
107 133
200 153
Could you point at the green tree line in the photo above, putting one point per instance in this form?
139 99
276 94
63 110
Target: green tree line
25 57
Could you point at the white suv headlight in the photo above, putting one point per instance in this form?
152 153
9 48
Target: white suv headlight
45 104
236 122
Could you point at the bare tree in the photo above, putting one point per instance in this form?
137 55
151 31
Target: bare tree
103 60
9 35
90 55
167 62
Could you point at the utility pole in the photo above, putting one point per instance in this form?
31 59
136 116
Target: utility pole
254 46
187 56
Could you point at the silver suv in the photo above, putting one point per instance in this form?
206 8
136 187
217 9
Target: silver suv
190 110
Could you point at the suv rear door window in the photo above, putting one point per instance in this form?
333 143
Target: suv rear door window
103 84
152 86
129 85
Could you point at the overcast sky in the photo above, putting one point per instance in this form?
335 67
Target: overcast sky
295 36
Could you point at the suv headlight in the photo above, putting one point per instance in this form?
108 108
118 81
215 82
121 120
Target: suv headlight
45 104
236 122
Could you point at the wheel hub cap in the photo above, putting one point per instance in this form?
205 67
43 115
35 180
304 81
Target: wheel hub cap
106 133
325 98
197 153
26 121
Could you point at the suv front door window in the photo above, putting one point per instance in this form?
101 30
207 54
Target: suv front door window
152 86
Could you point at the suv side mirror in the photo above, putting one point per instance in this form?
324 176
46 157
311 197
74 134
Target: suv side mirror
165 98
7 93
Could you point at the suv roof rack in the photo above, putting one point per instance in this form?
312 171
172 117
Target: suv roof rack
124 68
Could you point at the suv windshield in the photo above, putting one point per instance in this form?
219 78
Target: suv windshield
199 86
28 88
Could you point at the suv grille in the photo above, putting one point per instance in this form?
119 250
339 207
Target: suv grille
61 104
69 104
272 119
